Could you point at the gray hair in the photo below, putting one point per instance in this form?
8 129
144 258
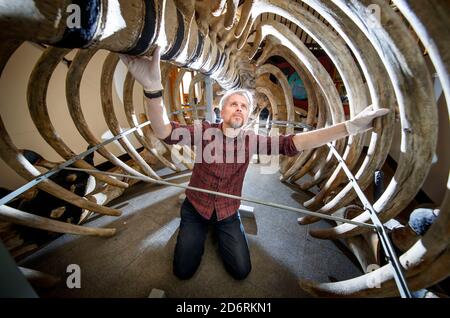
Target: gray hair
243 92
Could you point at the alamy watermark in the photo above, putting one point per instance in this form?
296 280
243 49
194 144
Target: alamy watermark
74 278
73 21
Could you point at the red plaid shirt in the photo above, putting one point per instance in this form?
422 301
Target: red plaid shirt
222 175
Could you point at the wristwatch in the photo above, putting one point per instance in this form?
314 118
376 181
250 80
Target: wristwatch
154 94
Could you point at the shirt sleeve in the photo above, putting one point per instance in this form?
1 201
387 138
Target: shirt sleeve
184 134
277 145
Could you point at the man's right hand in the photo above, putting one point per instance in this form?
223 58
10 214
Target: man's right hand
363 121
146 70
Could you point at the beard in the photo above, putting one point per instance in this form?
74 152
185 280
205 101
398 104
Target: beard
236 123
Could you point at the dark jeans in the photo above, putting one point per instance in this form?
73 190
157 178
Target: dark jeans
191 241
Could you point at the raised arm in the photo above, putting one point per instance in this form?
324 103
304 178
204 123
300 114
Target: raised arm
360 123
147 72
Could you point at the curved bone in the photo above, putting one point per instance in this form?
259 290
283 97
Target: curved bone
359 246
203 12
288 39
230 14
174 149
425 263
350 75
73 81
275 71
412 84
186 158
111 23
288 10
217 51
263 57
176 92
8 214
108 193
266 87
440 266
133 122
132 27
203 55
430 20
197 78
437 272
217 7
169 97
374 72
179 36
37 92
387 56
108 111
318 156
170 72
41 23
245 16
300 68
14 158
272 101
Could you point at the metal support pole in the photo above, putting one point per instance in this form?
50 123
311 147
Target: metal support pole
284 123
186 110
209 114
384 239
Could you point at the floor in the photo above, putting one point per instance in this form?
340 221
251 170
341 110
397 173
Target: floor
139 257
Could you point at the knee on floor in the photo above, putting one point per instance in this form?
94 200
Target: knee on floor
241 272
183 273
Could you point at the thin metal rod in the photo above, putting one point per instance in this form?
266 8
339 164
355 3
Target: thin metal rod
196 104
226 195
63 165
385 242
291 124
186 110
270 124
